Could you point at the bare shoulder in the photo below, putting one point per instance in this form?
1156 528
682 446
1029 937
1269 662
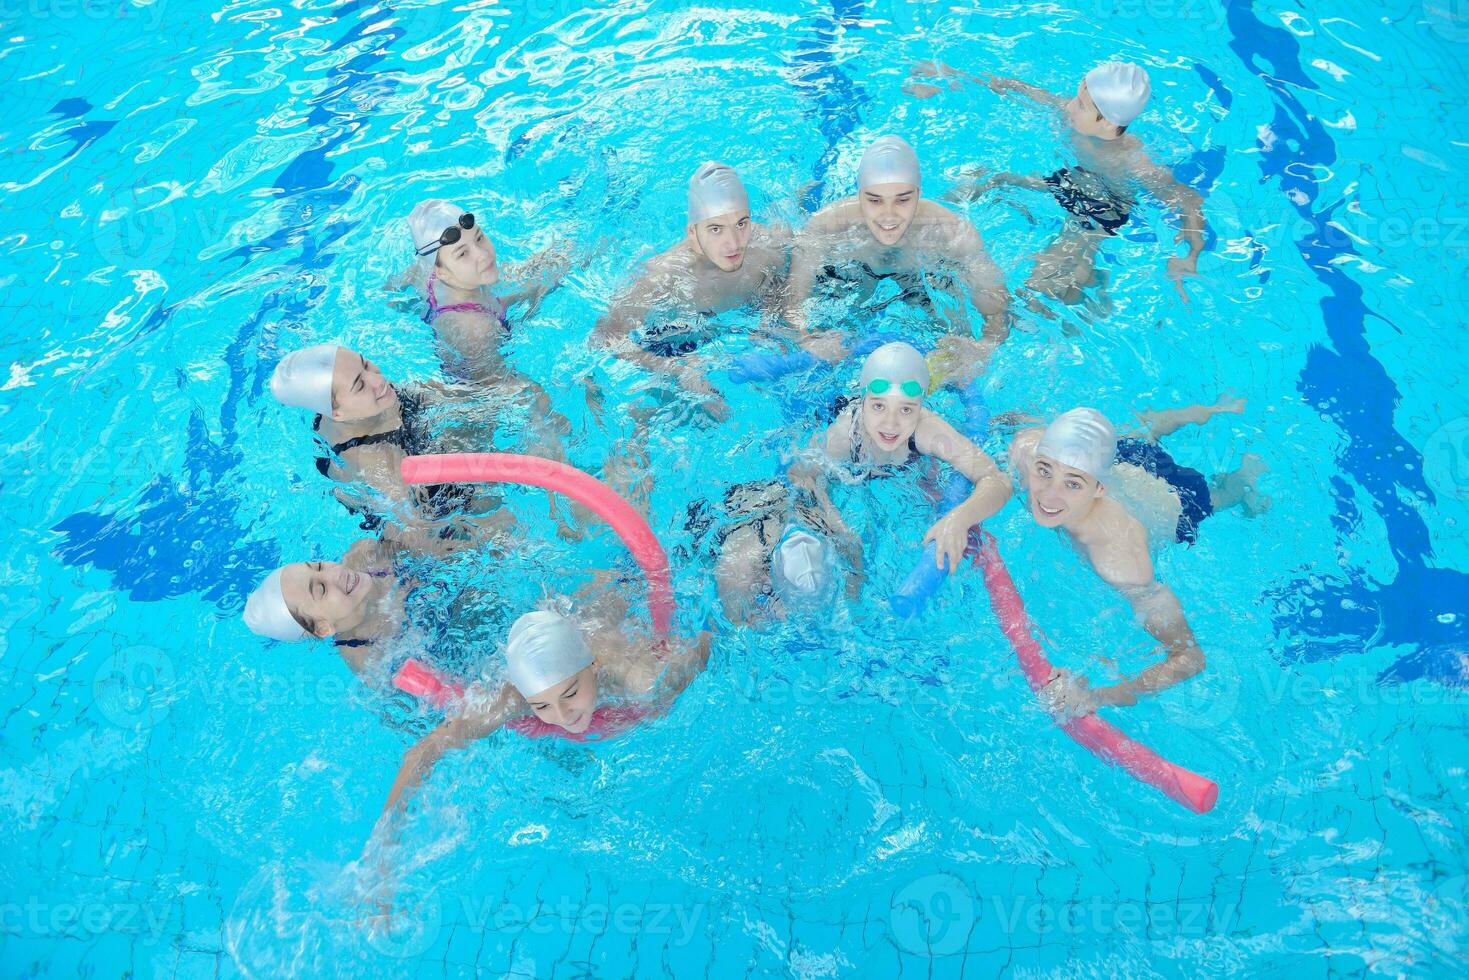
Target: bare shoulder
1121 556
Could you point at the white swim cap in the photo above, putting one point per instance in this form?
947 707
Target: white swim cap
888 160
1082 439
544 649
895 363
428 222
1119 90
267 614
715 189
800 568
303 378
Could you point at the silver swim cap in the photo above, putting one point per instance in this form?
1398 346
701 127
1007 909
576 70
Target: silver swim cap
715 189
800 567
427 224
303 378
895 363
889 160
267 614
1119 90
544 649
1082 439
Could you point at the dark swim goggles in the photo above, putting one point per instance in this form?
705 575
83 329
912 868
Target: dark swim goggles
881 386
451 234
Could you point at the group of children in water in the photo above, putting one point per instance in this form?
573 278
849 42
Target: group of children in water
782 545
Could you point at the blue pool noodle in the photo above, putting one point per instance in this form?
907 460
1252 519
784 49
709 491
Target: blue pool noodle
762 366
926 578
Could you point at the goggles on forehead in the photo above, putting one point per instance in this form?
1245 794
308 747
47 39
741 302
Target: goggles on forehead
451 234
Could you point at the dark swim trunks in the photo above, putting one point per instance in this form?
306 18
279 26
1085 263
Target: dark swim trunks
1189 484
914 288
674 338
1085 195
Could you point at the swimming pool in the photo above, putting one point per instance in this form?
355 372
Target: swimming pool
193 191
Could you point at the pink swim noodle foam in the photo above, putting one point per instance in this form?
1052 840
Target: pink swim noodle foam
535 471
1196 792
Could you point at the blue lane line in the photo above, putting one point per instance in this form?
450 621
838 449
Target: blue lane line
1346 383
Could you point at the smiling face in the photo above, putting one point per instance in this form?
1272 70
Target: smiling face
359 390
570 704
325 597
1060 495
888 210
889 420
1084 116
723 239
469 263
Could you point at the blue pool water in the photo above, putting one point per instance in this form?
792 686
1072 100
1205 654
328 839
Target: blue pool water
192 190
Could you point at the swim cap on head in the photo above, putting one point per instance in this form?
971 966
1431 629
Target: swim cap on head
303 378
1082 439
428 222
889 160
267 614
895 363
800 568
1119 90
715 189
544 649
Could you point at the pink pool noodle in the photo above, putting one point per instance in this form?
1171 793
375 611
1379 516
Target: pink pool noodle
427 683
424 682
571 482
1196 792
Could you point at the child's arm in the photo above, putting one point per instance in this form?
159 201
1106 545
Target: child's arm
991 490
1001 85
449 736
985 281
1188 203
1125 566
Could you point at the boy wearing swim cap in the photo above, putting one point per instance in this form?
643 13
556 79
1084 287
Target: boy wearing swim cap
1112 500
888 429
354 602
1098 191
888 229
724 261
563 671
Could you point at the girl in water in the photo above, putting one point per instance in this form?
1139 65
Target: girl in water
355 603
582 677
886 430
368 425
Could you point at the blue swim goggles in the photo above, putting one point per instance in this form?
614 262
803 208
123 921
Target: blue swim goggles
881 386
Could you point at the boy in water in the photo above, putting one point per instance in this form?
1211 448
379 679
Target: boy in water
1110 499
724 261
1098 191
889 230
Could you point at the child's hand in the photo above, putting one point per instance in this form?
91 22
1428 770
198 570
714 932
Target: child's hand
826 346
1068 696
950 535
